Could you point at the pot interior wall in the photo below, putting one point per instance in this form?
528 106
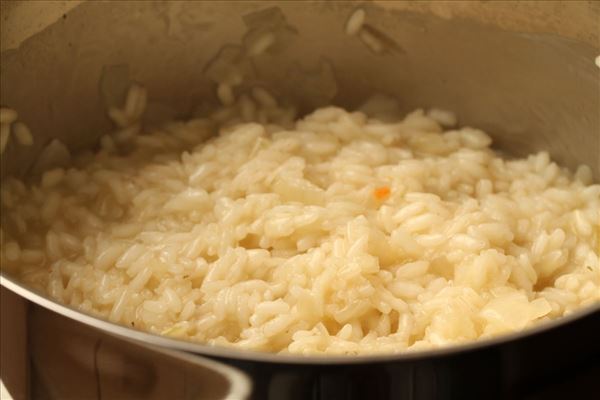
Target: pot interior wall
531 91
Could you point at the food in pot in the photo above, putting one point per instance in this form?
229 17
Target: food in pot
334 233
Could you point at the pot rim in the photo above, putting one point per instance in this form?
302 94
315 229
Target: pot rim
201 349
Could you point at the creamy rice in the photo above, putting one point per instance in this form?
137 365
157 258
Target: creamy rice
334 234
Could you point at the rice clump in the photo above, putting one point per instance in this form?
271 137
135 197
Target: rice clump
336 233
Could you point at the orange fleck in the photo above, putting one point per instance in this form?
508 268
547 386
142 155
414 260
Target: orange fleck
381 193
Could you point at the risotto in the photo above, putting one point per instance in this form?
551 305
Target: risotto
336 233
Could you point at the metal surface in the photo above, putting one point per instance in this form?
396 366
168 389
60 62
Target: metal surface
524 87
72 360
523 72
556 359
232 353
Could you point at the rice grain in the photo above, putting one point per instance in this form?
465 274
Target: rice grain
333 234
23 134
355 22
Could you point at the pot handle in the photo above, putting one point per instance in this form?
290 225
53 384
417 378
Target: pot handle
190 375
68 354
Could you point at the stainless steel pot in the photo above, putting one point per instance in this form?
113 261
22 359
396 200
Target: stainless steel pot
523 71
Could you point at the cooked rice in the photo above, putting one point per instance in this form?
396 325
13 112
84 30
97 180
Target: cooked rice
261 44
225 94
23 134
8 115
135 104
4 136
443 117
335 234
355 22
371 41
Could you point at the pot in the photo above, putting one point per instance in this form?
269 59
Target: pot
524 72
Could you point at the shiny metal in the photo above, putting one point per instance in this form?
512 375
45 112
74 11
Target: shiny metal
72 360
525 73
533 87
232 353
238 385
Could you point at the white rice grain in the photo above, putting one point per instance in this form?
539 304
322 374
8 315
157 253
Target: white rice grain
22 134
371 41
263 97
261 44
12 251
8 115
336 234
135 103
225 94
443 117
4 136
355 22
52 177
